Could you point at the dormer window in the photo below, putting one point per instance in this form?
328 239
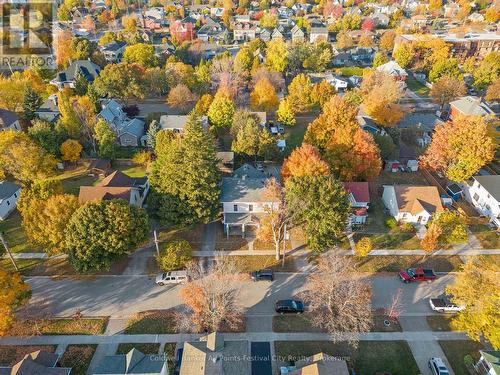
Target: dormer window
235 208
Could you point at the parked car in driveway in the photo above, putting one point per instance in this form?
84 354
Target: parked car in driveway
438 367
265 274
444 305
289 306
172 277
417 274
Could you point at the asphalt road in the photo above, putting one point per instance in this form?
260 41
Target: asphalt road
123 296
261 358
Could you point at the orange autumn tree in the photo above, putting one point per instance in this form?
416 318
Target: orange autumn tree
304 161
351 152
459 148
13 292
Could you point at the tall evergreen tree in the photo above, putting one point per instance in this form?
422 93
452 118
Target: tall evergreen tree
151 134
31 103
185 178
81 84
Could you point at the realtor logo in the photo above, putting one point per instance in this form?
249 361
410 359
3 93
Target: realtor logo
26 34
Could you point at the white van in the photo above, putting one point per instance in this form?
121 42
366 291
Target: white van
173 277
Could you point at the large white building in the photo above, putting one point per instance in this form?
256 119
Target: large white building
483 192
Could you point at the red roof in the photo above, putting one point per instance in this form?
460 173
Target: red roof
359 190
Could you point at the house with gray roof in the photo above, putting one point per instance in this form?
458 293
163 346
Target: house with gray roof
9 194
9 120
36 363
318 33
113 52
243 199
469 106
67 78
212 355
176 123
134 362
128 131
49 110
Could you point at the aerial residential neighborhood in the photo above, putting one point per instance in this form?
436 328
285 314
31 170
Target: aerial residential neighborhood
250 187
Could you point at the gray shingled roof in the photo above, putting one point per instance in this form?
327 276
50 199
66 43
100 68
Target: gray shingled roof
471 105
134 362
491 184
7 189
243 190
7 118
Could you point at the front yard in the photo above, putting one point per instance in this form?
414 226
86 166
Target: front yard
11 354
15 236
371 357
488 237
78 357
439 322
249 263
456 350
394 263
417 87
63 326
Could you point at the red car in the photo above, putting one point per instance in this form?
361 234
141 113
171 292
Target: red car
417 274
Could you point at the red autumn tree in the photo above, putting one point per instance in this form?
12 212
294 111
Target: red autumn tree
304 161
351 152
459 148
367 24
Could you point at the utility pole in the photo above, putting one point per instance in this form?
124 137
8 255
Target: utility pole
156 243
284 248
8 252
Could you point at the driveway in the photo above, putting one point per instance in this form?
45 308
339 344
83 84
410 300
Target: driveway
123 296
261 358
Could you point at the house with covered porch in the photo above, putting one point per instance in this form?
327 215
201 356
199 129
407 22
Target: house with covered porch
244 200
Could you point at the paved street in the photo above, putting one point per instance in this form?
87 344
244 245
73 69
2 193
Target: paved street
122 296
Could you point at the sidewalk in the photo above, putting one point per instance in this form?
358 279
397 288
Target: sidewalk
250 336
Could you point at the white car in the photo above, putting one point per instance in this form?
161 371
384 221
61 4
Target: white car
444 305
173 277
438 366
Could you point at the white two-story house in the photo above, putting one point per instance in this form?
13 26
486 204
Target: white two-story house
484 194
244 200
412 204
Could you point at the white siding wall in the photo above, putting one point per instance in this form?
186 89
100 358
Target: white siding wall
8 205
389 199
483 201
228 207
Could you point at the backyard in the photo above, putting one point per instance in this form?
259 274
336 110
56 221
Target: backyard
417 87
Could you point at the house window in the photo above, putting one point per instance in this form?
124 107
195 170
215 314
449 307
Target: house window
8 203
15 195
476 197
235 208
250 207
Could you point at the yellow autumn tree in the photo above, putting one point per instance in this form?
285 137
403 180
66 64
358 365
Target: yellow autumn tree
263 96
71 150
477 287
13 292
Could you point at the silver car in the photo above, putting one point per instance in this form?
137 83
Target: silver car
172 277
438 367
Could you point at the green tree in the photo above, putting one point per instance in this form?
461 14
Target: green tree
269 21
82 48
487 71
221 111
247 140
44 134
452 227
403 54
185 178
142 54
106 139
31 103
122 80
285 114
386 146
153 130
268 149
445 67
380 58
81 83
320 205
174 255
100 232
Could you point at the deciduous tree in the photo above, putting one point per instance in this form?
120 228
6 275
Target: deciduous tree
106 139
338 298
122 80
181 97
71 150
285 113
477 288
100 232
493 92
304 161
403 54
459 148
221 111
387 41
445 67
263 96
446 89
13 292
299 93
344 40
174 255
142 54
321 92
320 205
350 151
277 55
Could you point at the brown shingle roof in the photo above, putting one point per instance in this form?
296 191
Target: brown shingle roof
415 199
117 179
99 193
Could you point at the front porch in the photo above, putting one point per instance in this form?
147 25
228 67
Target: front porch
241 224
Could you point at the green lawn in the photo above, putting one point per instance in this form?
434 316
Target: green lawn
248 263
456 350
15 236
396 238
417 87
488 237
64 326
393 263
152 348
152 322
350 71
439 322
130 169
78 357
369 358
302 323
294 135
11 354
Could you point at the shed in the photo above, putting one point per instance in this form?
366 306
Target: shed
455 191
412 165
